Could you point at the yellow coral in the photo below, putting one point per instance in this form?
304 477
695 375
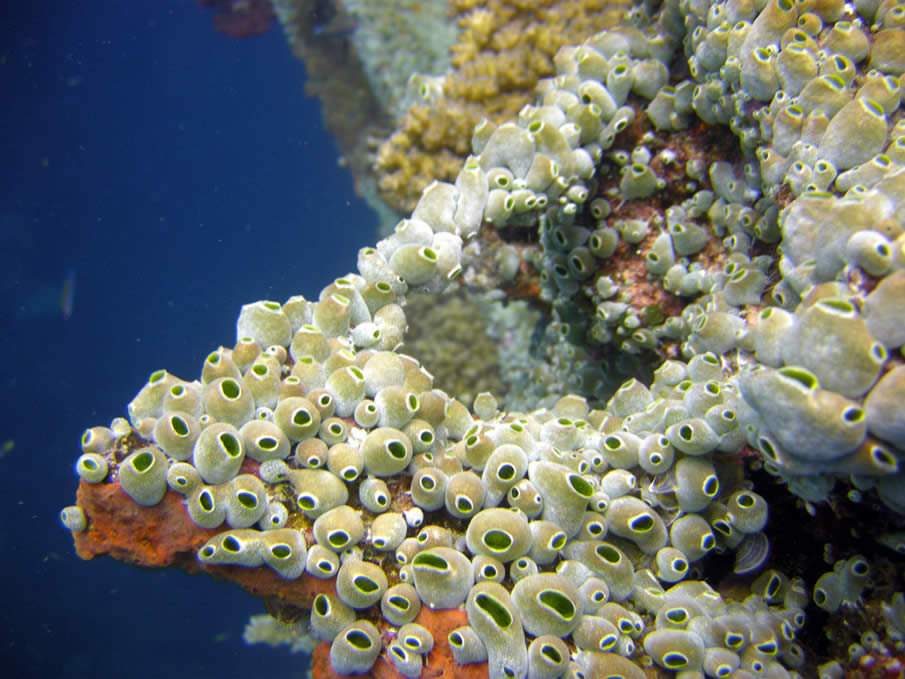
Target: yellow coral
504 48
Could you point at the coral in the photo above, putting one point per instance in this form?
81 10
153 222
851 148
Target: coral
398 38
436 330
503 49
697 201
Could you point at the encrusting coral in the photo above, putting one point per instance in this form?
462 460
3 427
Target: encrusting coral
706 199
504 47
436 333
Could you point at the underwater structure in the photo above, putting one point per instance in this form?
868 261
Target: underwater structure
690 248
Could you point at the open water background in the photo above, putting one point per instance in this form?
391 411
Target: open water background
179 174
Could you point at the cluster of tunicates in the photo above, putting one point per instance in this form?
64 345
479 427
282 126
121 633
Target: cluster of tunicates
827 330
843 585
539 524
570 532
819 401
570 501
599 91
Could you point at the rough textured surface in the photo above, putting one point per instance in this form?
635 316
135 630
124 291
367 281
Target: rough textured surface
145 536
164 536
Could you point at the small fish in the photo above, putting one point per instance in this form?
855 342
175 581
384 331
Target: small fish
68 292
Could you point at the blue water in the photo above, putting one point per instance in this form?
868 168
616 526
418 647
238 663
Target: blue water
179 174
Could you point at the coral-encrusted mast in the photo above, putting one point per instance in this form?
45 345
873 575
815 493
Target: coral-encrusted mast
576 525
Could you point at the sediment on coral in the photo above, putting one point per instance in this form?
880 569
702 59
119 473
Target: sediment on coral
706 200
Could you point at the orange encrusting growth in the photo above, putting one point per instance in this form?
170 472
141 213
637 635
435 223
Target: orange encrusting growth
163 536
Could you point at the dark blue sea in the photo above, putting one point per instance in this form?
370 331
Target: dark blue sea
169 174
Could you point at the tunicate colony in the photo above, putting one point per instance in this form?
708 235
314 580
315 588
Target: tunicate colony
570 533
